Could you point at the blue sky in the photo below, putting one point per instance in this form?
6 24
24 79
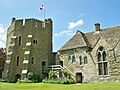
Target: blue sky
68 16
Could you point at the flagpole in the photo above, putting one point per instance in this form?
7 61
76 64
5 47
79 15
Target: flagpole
44 10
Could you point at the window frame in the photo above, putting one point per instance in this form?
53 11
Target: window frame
85 60
80 59
103 69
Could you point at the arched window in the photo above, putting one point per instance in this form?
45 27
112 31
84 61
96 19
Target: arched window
80 58
73 58
99 56
69 57
102 62
43 63
104 56
85 60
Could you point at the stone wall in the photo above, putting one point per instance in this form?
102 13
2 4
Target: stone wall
35 43
90 71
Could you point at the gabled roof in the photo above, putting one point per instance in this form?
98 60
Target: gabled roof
111 35
78 40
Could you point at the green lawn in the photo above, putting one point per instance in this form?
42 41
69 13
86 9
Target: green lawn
42 86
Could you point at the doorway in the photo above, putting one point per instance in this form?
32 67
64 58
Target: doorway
17 77
61 63
79 77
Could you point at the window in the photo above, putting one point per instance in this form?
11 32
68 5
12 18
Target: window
33 61
99 56
104 56
102 62
43 63
85 60
69 57
35 41
73 58
19 41
17 61
80 58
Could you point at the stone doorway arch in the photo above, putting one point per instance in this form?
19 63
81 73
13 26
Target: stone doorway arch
17 77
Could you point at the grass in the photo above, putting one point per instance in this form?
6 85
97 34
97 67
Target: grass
43 86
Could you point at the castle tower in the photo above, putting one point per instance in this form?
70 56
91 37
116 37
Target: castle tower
29 47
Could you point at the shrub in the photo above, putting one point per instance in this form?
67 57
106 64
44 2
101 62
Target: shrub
30 75
65 73
12 81
60 81
3 80
52 74
34 77
68 81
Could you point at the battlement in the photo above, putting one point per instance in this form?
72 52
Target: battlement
21 24
31 22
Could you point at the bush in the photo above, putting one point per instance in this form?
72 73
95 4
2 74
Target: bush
52 74
68 81
30 75
65 73
34 77
60 81
3 80
12 81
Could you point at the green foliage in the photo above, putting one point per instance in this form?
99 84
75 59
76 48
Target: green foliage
3 80
34 77
30 75
65 73
58 81
12 81
52 74
68 81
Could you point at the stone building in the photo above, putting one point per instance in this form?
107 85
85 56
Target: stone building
28 48
93 56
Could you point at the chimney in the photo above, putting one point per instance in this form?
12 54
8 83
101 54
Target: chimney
97 27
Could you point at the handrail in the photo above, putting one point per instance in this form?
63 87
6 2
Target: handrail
69 70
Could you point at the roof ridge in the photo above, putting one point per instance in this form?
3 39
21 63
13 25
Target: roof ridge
78 40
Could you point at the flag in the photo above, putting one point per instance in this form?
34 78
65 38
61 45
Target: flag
42 7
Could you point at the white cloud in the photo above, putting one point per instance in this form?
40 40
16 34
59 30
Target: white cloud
65 32
70 31
2 36
75 24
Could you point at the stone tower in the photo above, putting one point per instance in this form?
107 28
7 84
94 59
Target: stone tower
29 47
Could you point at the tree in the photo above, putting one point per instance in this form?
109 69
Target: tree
2 59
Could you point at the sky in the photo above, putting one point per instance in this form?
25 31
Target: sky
68 16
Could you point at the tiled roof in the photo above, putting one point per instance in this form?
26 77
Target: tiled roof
78 40
111 35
